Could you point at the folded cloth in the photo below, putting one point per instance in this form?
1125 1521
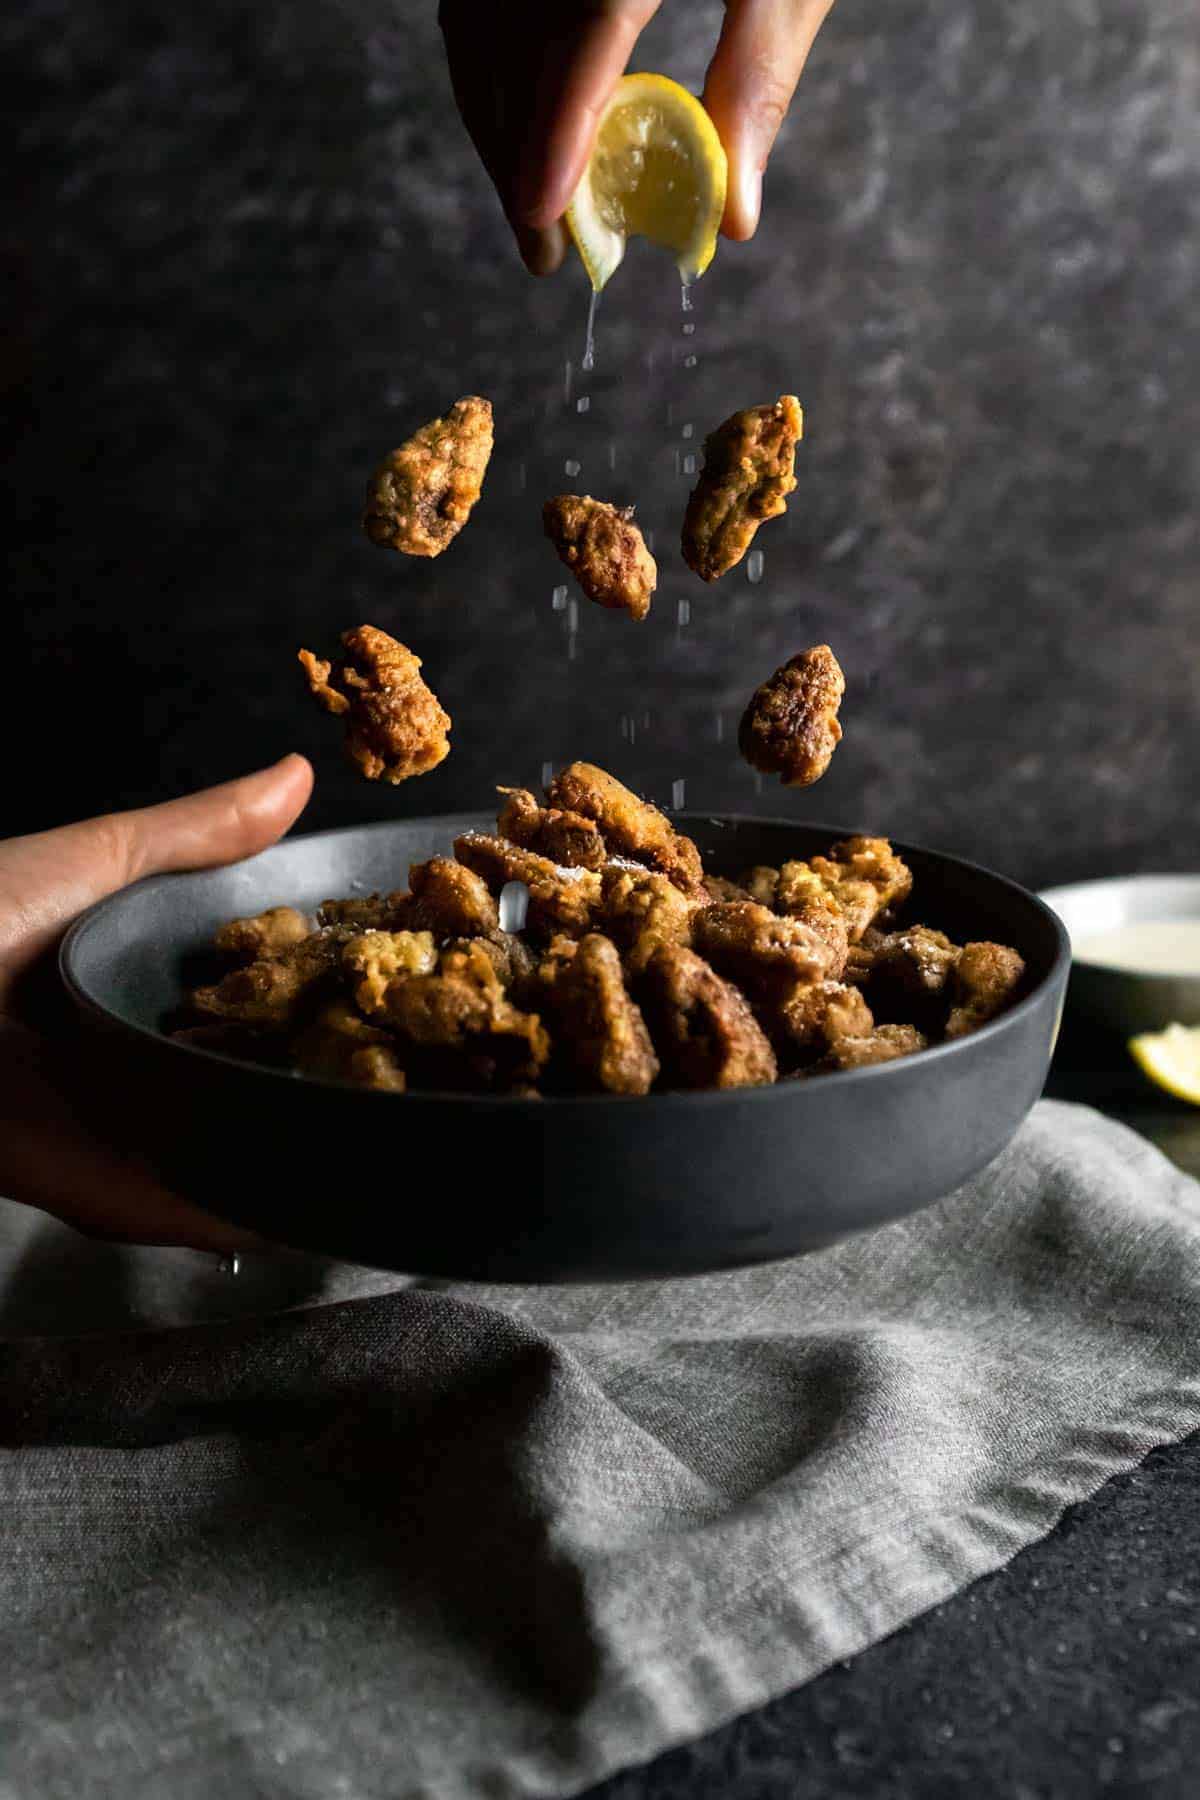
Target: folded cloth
501 1542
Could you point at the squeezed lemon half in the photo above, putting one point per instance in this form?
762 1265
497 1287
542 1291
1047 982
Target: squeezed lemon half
657 170
1171 1059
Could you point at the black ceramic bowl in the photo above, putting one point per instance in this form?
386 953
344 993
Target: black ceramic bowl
558 1189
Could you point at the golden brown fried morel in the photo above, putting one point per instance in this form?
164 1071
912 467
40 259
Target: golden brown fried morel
270 993
640 910
559 899
374 959
864 875
790 727
604 550
631 827
338 1045
598 1030
395 726
702 1027
463 1009
747 475
769 957
450 900
266 934
884 1044
985 980
421 496
566 838
819 1015
910 971
369 912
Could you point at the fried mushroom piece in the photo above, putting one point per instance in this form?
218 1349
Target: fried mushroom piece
567 838
702 1026
271 993
464 1026
820 1014
770 958
337 1045
374 959
985 979
884 1044
747 475
790 728
450 900
630 826
266 934
642 910
511 957
395 725
604 550
370 912
761 883
560 900
865 877
719 888
421 496
910 973
799 894
599 1030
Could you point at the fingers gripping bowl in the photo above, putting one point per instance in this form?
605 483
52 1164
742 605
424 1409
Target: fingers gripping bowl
557 1188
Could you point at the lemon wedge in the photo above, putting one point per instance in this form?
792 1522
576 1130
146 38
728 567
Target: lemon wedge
657 170
1171 1059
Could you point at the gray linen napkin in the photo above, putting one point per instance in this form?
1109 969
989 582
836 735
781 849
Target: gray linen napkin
502 1542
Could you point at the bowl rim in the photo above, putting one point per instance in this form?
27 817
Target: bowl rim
676 1099
1151 978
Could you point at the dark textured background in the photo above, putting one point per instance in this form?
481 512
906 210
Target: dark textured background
253 250
248 249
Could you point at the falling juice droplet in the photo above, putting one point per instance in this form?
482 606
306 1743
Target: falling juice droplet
758 782
689 464
547 774
648 540
754 567
685 297
688 328
678 793
522 478
683 613
589 348
572 647
558 598
685 431
612 456
514 904
678 462
689 361
573 617
670 413
567 371
720 723
571 467
583 403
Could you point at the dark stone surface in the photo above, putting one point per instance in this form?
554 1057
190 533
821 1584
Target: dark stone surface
249 250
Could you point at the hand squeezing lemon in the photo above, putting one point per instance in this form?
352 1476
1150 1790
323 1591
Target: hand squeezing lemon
657 170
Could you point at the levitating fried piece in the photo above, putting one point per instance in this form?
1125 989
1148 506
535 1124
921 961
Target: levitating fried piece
702 1027
604 550
769 957
818 1015
884 1044
747 474
395 726
450 900
719 888
560 899
266 934
463 1010
339 1046
272 992
790 727
910 973
567 838
984 981
631 827
865 877
421 495
374 959
641 910
598 1029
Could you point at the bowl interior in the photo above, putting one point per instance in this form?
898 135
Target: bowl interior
134 955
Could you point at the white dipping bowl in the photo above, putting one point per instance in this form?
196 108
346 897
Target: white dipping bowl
1127 1000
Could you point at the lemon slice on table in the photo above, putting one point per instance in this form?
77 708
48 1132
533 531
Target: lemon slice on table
657 170
1171 1059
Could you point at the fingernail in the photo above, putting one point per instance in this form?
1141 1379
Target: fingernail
748 192
541 251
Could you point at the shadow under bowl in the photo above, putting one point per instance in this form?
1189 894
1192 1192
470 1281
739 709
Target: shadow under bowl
563 1189
1123 1002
